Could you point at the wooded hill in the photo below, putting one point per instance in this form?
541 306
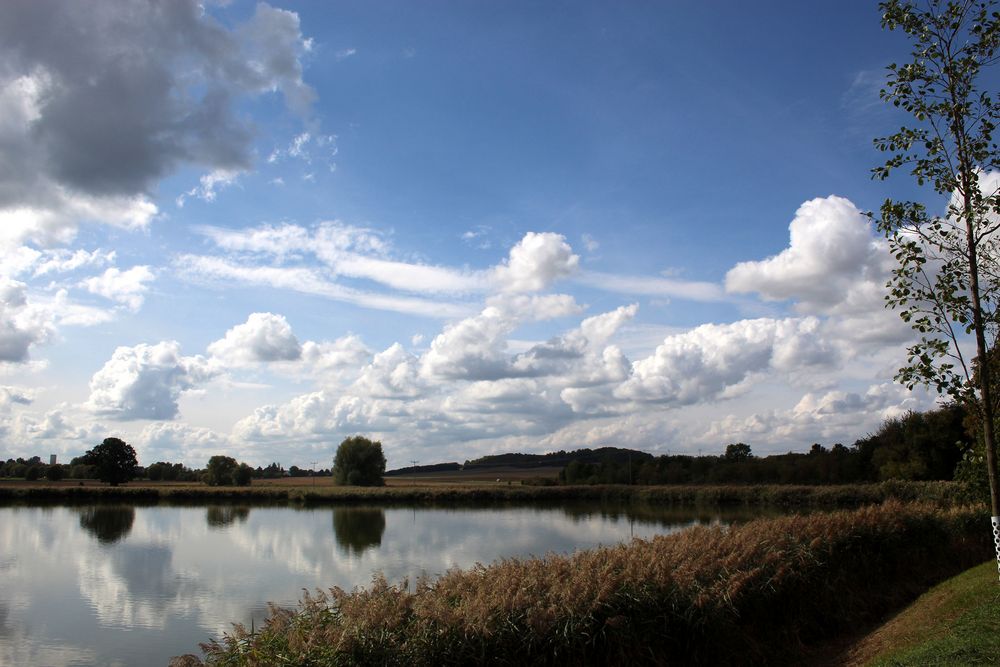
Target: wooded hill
612 455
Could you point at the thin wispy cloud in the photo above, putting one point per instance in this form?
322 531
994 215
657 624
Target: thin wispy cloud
653 286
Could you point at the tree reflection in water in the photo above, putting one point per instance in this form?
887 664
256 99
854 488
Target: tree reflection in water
108 524
358 528
220 516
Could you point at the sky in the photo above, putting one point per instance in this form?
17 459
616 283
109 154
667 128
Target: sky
458 228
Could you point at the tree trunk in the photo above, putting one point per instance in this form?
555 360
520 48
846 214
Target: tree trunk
968 175
985 372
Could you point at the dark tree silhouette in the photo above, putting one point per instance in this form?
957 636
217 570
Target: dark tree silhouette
359 462
114 461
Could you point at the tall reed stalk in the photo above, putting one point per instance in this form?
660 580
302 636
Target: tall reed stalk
762 592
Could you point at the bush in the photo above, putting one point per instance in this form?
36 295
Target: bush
225 471
359 462
82 471
243 475
54 473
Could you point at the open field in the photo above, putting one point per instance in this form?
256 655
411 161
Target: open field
475 477
770 591
504 474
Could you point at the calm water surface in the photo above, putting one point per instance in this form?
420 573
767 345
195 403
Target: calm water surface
124 585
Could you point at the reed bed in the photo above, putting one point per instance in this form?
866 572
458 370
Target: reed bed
762 592
850 495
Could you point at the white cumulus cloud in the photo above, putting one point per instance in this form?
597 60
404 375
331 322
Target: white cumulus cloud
711 359
21 324
833 259
538 260
340 355
263 337
392 373
145 381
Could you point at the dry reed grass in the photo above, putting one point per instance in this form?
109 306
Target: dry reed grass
761 592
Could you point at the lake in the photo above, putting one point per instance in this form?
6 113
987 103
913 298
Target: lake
135 585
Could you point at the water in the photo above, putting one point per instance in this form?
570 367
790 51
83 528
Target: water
126 585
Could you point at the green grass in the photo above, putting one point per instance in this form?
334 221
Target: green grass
955 623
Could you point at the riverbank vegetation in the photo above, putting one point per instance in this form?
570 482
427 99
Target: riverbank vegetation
944 494
762 592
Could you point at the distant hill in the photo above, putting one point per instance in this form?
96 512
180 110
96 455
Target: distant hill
558 459
561 458
435 467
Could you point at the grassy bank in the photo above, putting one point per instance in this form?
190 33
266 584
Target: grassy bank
757 593
942 493
955 623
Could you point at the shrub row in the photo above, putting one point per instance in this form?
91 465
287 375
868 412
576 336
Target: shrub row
763 592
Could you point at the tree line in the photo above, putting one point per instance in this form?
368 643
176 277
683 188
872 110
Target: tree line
359 462
933 445
916 446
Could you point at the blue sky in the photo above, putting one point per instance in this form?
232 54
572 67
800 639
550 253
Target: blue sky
461 228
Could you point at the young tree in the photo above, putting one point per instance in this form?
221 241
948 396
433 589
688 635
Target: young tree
947 283
114 461
359 462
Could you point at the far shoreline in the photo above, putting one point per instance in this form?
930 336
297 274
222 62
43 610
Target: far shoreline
413 490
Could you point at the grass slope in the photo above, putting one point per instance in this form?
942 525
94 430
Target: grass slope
955 623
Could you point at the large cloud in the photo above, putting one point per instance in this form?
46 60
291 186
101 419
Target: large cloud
476 348
393 373
99 101
832 260
535 262
579 358
316 415
328 358
709 361
266 338
833 266
263 337
145 381
21 324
